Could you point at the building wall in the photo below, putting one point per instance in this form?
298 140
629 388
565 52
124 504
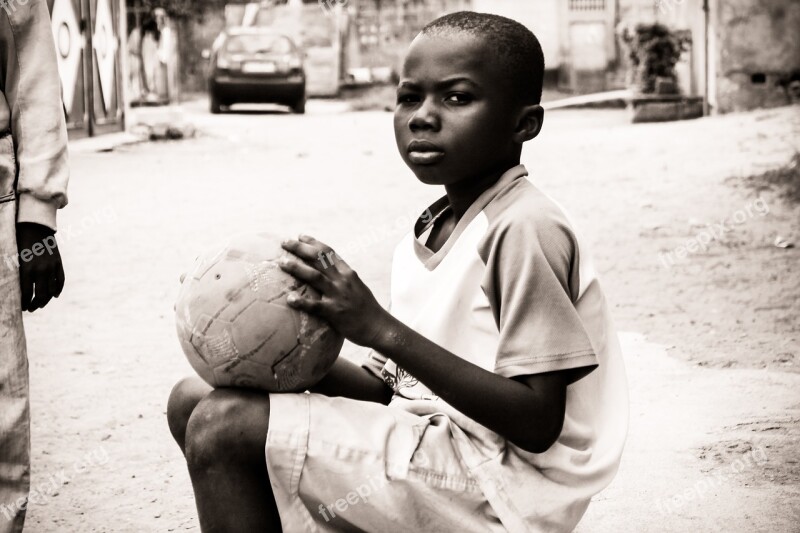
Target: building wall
754 47
758 50
542 17
197 34
577 37
588 36
382 30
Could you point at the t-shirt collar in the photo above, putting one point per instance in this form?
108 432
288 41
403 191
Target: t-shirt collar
431 259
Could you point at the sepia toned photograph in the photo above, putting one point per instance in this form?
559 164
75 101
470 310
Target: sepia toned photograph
399 266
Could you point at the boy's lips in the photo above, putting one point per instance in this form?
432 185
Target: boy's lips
424 153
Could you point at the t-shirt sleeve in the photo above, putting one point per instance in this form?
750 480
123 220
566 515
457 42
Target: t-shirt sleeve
532 283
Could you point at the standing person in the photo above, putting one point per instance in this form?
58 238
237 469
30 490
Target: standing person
33 181
166 85
134 45
149 58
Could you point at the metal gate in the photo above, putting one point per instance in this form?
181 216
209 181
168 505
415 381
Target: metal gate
86 35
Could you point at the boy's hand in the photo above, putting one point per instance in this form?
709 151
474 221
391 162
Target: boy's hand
41 274
347 304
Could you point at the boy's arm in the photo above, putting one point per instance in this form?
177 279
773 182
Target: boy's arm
32 89
528 411
352 381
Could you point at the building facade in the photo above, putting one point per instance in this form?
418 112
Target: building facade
745 54
746 59
87 35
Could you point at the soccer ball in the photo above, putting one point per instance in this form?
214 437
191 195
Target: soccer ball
235 326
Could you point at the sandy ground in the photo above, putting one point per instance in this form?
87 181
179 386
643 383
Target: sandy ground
712 342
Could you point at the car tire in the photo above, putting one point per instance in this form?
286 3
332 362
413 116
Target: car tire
299 107
214 104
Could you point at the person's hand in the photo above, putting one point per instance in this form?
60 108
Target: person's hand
346 303
41 274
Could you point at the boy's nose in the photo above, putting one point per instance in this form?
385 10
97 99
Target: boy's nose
425 118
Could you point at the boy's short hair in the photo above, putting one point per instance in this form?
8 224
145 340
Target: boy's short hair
515 46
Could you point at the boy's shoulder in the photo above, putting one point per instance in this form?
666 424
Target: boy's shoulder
529 239
523 217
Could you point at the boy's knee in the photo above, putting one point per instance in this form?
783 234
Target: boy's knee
185 396
227 426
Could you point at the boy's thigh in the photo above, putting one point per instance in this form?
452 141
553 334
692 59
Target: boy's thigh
337 464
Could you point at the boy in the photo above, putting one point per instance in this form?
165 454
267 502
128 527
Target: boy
33 182
507 403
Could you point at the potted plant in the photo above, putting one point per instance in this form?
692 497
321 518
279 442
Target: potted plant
653 51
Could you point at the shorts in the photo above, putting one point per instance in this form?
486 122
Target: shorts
337 464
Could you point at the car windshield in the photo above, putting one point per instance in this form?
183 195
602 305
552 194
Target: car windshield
254 44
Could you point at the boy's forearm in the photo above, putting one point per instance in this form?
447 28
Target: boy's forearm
352 381
525 415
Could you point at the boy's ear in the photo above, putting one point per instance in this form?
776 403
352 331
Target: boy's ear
529 123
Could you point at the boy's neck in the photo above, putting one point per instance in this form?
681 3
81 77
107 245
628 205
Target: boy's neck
463 194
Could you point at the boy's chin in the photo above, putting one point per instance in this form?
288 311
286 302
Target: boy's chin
429 175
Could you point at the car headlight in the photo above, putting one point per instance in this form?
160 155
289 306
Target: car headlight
294 62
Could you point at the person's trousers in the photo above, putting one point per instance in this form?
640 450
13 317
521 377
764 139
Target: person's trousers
14 403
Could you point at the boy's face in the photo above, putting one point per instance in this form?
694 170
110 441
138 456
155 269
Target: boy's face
455 112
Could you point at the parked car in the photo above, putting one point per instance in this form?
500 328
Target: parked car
255 65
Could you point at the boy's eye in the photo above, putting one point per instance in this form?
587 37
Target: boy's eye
407 98
458 98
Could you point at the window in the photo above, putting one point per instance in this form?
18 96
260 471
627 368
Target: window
255 44
587 5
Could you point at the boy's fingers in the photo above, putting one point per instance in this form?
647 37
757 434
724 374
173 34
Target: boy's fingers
342 267
305 273
303 250
56 283
308 305
42 295
308 239
315 252
322 250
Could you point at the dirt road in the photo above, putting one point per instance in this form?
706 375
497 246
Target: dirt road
711 333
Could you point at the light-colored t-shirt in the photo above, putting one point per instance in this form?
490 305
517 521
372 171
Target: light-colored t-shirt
513 291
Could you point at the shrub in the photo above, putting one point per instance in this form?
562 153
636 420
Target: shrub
653 50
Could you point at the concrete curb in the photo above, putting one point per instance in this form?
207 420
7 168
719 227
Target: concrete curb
104 143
